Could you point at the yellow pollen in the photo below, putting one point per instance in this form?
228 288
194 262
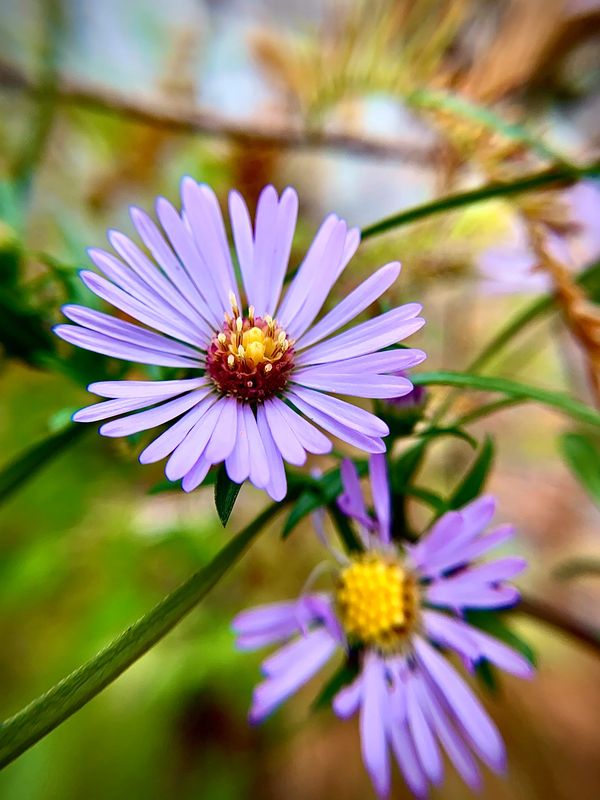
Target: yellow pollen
222 339
231 361
377 602
268 367
255 351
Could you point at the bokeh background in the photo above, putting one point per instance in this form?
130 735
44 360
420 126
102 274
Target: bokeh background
88 544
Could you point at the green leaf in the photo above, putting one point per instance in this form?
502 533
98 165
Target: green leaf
24 332
474 481
308 502
492 622
26 465
226 492
561 402
556 176
582 454
44 714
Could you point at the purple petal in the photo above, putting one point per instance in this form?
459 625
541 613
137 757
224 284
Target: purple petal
407 759
261 619
184 246
136 309
223 438
100 343
126 332
386 362
353 416
347 700
283 436
457 750
264 243
287 656
352 501
309 437
380 489
241 227
112 408
196 475
237 463
285 225
322 283
367 337
308 271
485 646
318 649
370 444
154 279
165 257
365 385
148 389
259 462
145 420
193 445
447 593
425 744
449 632
475 721
203 214
352 305
374 722
277 484
164 444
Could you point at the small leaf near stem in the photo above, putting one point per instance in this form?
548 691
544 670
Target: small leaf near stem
226 492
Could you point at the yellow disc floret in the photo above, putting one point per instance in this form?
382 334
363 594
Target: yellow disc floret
377 601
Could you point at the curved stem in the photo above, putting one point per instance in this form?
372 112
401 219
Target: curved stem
541 611
32 723
556 176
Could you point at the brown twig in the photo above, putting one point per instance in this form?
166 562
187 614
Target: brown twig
584 633
150 111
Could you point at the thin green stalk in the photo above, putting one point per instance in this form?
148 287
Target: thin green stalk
557 400
44 714
556 176
489 408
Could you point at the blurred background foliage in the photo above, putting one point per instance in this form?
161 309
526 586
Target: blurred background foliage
107 104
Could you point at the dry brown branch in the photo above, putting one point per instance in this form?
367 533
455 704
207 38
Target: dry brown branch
176 117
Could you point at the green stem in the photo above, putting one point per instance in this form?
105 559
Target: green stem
558 400
32 723
489 408
556 176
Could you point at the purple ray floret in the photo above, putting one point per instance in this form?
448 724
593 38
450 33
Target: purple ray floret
254 363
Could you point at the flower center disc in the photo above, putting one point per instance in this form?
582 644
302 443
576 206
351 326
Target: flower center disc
377 602
251 358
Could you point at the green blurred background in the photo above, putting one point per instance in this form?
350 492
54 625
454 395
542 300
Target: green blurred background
85 546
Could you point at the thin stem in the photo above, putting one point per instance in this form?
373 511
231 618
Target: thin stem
489 408
549 178
541 611
44 714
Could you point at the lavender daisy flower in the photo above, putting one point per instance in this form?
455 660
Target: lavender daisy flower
510 266
396 612
256 364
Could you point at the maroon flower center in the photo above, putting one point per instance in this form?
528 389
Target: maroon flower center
251 358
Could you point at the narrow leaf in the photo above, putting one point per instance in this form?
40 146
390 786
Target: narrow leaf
473 482
582 454
561 402
44 714
25 466
226 492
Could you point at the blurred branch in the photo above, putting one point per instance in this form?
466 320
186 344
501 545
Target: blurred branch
78 93
564 623
46 713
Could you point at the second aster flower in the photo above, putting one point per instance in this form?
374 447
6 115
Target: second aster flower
263 363
395 613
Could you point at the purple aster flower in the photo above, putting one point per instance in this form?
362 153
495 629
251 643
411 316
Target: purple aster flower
397 612
510 267
255 362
